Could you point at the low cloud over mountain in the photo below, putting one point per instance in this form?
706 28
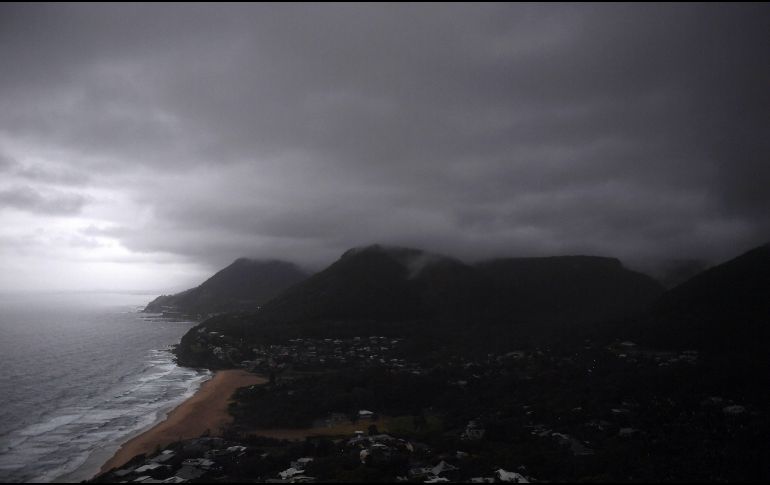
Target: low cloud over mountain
202 134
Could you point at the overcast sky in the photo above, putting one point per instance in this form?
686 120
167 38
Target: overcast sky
144 146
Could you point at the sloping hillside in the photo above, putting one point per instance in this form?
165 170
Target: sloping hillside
244 285
725 308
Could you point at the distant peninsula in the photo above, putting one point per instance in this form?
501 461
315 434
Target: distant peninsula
244 285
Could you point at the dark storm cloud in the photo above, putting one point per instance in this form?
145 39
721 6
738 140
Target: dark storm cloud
6 163
57 176
298 131
41 174
28 199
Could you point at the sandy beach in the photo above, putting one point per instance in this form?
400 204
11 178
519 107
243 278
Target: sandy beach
205 411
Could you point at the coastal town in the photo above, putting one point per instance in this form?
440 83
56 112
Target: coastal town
366 409
300 354
309 353
205 459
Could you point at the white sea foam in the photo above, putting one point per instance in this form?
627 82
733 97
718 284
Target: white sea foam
79 395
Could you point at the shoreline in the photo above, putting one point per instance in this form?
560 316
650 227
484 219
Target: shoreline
92 463
206 410
91 466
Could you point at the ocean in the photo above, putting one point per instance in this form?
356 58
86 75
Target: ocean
80 373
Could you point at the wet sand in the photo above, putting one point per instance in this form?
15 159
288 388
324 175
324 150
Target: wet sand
205 411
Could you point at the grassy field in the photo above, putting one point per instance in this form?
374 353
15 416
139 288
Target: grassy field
398 426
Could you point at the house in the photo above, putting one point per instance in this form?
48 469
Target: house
290 472
510 477
148 468
165 456
734 410
627 432
364 414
